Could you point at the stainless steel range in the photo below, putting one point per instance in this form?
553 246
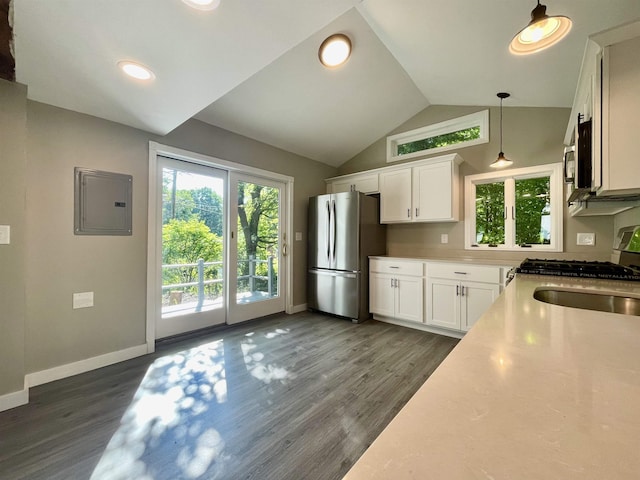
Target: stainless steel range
626 265
576 268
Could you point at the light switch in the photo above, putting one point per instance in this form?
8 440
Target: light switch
83 300
5 234
298 236
586 239
444 238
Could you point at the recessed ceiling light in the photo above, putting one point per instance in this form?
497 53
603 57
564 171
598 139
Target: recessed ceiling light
335 50
136 70
203 4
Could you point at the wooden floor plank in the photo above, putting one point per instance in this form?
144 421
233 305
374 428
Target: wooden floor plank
285 397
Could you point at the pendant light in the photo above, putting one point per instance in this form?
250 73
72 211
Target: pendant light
542 32
501 161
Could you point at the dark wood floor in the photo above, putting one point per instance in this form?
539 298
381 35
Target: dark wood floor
285 397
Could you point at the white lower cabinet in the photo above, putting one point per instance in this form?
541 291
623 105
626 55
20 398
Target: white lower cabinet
458 305
458 294
441 297
396 289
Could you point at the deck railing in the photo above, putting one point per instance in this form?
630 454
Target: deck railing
200 283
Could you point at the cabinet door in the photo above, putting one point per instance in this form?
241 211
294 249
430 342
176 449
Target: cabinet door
476 299
409 298
341 186
443 303
395 196
620 106
381 294
433 193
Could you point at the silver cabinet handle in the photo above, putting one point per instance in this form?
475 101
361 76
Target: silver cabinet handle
461 273
397 282
417 212
391 282
408 213
462 291
457 290
393 266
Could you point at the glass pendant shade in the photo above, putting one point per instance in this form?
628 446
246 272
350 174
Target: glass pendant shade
542 32
501 161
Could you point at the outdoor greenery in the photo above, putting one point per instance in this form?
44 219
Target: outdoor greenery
258 211
532 210
490 213
193 229
437 141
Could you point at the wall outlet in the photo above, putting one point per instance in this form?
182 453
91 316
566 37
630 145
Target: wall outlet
586 239
5 234
83 300
444 238
298 236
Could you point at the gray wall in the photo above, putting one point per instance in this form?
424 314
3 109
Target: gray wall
532 136
13 132
44 144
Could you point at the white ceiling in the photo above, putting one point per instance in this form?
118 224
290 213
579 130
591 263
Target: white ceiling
251 65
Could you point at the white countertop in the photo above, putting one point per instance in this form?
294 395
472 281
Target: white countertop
478 261
533 391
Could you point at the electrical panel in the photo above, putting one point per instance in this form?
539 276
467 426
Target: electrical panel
102 202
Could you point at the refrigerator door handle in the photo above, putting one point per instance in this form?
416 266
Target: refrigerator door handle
328 231
333 235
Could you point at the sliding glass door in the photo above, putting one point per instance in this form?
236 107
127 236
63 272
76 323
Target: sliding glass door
193 206
257 245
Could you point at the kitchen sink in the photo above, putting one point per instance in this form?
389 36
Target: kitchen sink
590 301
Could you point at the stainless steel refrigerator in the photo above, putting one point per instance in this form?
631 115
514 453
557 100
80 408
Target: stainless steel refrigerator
344 229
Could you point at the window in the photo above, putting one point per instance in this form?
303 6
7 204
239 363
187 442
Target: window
515 210
452 134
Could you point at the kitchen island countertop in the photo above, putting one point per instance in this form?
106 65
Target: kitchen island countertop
533 391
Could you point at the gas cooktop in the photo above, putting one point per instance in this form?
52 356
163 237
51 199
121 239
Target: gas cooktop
577 268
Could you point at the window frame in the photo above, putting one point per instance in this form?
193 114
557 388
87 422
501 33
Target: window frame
553 170
478 119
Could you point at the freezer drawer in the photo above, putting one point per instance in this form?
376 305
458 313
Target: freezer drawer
338 293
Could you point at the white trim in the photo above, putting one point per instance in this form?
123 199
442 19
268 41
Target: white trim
554 170
478 119
14 399
82 366
297 308
153 239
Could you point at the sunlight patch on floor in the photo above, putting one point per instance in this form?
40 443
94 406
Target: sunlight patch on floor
175 391
254 360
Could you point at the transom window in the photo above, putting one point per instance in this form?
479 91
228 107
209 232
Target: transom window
452 134
515 210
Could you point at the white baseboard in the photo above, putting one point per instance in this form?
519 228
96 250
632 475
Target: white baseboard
14 399
82 366
298 308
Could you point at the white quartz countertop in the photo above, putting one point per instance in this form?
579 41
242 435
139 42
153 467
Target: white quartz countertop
463 260
533 391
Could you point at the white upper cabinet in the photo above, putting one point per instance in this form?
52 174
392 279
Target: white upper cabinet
608 92
357 182
423 191
620 109
395 196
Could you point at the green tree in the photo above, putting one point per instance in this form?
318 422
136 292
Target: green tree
187 241
258 210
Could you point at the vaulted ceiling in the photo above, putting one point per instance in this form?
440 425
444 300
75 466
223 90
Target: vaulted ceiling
251 66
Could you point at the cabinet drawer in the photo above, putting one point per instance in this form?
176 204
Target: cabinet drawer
399 267
472 273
